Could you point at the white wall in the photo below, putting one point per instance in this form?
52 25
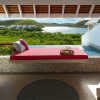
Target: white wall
85 39
92 37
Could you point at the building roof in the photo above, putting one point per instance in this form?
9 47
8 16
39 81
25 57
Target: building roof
49 8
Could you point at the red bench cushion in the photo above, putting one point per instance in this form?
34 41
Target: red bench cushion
47 54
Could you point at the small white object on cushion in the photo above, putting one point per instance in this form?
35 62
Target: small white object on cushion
18 46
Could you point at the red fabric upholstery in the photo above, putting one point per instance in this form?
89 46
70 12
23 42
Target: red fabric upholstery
47 54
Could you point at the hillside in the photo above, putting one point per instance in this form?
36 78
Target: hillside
19 22
78 24
32 22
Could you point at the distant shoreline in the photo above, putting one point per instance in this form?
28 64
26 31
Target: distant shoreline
81 24
63 26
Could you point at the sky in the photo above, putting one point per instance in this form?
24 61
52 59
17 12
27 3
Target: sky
51 20
59 20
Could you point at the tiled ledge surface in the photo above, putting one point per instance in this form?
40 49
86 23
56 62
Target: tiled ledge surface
90 65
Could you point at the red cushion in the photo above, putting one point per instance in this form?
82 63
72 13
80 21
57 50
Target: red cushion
24 43
47 54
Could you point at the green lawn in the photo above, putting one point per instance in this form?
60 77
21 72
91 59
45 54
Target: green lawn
39 38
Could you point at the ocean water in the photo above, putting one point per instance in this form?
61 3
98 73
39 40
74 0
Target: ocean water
65 30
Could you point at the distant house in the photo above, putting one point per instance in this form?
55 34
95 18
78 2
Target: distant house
2 27
22 27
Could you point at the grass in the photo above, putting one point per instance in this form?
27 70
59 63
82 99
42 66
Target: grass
40 38
7 50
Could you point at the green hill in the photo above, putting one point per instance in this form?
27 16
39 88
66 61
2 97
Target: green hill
78 24
32 22
19 22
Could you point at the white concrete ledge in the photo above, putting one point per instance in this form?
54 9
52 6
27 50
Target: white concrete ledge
90 65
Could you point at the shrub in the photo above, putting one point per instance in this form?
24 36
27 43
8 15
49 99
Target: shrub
6 50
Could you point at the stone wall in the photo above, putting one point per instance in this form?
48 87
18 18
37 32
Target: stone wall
90 65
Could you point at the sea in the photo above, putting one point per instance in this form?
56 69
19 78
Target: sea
65 30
